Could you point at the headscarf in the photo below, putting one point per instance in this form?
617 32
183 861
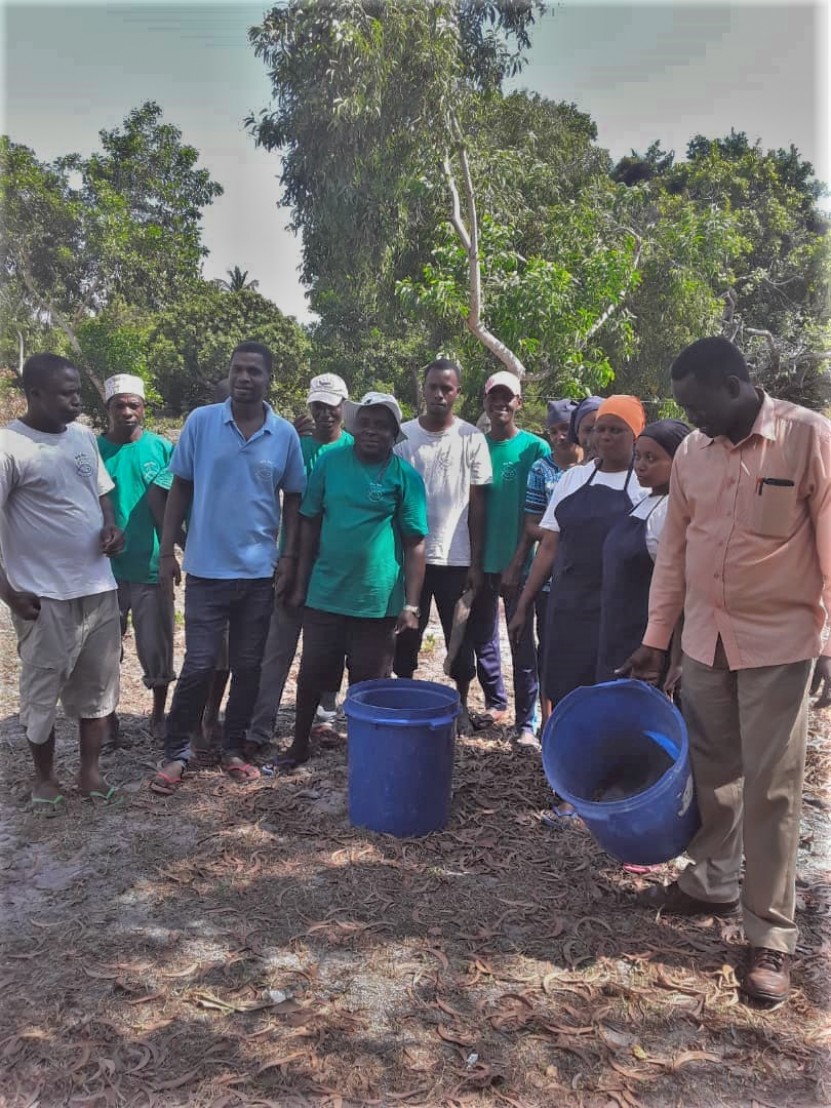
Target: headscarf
560 411
627 408
668 433
584 408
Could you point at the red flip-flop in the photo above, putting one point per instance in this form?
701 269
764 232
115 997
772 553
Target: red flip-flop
164 784
242 773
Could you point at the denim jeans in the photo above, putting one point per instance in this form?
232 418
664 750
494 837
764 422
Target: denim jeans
484 618
212 605
280 649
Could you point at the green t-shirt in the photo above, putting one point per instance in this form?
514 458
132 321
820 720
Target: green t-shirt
505 497
367 511
134 467
312 449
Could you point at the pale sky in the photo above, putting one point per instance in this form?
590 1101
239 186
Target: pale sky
653 71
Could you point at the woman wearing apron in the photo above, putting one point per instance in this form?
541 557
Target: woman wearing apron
631 547
585 505
581 426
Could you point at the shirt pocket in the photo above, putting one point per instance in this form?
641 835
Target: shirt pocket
773 508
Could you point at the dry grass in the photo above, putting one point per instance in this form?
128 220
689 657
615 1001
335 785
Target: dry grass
244 946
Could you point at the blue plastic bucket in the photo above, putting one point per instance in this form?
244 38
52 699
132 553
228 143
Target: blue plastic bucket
618 737
401 742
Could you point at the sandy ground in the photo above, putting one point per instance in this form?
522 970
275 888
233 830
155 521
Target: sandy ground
236 946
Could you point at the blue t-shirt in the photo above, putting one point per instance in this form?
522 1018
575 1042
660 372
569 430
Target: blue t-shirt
542 478
235 514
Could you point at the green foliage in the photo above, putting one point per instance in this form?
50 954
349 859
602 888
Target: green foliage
361 92
190 343
114 341
738 245
83 235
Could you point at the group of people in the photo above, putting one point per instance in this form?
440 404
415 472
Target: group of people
617 546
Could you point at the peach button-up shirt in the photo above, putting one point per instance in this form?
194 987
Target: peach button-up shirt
746 549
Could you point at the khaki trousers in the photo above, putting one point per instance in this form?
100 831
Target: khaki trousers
748 730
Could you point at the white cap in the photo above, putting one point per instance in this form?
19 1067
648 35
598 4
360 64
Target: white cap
373 400
506 379
123 384
329 389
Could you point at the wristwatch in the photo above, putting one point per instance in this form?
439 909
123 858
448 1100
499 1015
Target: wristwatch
412 608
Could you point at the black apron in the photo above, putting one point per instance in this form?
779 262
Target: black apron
573 621
627 575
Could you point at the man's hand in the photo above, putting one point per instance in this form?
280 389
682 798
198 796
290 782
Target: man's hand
510 580
672 681
407 621
284 577
304 425
646 664
169 572
517 622
822 683
25 605
112 540
475 579
296 599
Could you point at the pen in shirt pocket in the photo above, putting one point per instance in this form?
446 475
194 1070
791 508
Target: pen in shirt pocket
775 482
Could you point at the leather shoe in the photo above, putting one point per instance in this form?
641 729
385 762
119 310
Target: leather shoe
673 900
768 975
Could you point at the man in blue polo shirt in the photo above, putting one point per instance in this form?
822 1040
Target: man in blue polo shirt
230 465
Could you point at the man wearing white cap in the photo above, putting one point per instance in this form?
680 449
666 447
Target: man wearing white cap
137 461
57 534
361 562
505 559
327 393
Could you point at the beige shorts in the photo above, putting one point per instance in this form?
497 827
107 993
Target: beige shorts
152 611
71 653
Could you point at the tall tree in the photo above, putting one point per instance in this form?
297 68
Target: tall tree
85 234
363 93
236 281
742 246
189 345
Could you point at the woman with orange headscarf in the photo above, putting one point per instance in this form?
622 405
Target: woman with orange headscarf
584 507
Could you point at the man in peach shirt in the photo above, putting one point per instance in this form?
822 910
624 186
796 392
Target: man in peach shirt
746 556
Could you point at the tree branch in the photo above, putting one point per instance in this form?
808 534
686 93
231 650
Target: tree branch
469 237
773 349
62 322
456 211
613 307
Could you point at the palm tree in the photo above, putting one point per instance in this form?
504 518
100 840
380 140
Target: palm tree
237 280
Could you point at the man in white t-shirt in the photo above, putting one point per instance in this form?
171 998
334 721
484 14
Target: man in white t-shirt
453 459
57 533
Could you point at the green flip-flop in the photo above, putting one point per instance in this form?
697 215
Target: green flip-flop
47 808
110 799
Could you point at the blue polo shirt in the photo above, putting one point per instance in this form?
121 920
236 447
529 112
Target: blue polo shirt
235 515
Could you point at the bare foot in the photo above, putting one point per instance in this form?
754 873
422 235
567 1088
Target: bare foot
91 781
157 728
239 770
168 779
46 790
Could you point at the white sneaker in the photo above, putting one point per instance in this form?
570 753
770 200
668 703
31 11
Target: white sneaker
322 716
